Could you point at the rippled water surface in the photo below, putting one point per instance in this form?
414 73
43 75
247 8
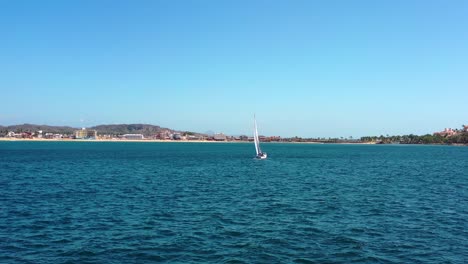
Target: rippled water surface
92 202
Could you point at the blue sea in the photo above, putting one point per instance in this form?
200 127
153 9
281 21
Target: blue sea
108 202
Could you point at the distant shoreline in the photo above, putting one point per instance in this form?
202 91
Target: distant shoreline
4 139
159 140
112 140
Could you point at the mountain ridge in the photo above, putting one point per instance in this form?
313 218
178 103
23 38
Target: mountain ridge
112 129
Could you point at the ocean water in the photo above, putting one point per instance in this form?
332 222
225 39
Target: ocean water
96 202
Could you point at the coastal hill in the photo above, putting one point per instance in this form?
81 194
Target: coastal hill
117 129
35 128
120 129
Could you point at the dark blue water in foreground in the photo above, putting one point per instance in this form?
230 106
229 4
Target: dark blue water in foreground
72 202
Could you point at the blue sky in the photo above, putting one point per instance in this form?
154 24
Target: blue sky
306 68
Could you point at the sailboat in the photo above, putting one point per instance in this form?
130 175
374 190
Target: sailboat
260 154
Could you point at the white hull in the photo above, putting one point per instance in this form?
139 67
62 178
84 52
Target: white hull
261 156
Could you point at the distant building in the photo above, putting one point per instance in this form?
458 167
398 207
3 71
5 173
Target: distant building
133 136
164 135
193 137
448 132
244 138
275 138
176 136
85 134
465 128
12 134
219 137
49 135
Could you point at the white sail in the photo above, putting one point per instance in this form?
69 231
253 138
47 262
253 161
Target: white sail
257 143
260 154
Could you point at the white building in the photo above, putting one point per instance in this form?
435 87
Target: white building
133 136
220 137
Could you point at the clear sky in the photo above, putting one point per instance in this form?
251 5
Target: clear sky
306 68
